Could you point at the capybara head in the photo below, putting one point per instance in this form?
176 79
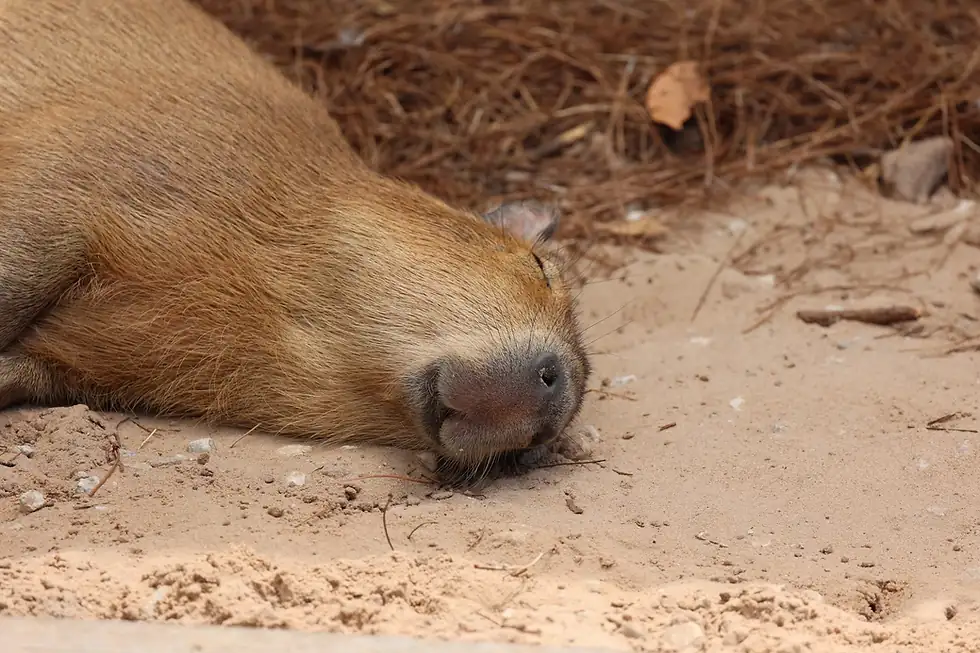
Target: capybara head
509 372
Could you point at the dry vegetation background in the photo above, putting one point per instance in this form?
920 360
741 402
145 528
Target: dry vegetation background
481 101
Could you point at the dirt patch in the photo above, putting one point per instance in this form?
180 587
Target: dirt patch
760 484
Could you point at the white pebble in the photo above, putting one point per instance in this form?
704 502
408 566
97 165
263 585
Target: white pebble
25 450
292 450
202 445
295 479
622 380
31 501
86 484
682 636
736 403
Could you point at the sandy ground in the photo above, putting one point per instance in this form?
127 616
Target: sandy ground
775 490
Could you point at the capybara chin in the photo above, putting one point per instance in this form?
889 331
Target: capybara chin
184 231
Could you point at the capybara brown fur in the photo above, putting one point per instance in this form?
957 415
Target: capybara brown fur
184 231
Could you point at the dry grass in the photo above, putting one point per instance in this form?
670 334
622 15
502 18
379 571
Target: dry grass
481 101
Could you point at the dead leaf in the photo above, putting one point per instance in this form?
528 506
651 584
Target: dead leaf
675 92
645 227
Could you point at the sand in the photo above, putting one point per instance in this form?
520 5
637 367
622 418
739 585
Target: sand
776 490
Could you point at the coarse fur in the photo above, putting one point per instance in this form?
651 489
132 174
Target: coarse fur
185 231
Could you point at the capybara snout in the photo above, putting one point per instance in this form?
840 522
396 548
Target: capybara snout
512 399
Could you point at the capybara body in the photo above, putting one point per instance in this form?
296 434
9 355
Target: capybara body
184 231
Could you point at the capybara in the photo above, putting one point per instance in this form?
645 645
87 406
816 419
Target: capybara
185 231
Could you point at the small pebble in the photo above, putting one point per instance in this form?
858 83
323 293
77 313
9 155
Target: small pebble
580 444
31 501
202 445
827 550
276 511
957 547
622 380
295 479
351 492
574 507
412 500
292 450
630 631
682 636
203 458
25 450
86 484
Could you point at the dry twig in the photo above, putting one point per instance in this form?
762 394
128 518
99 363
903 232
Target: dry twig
880 315
115 448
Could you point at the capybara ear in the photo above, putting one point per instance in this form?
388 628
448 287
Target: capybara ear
528 220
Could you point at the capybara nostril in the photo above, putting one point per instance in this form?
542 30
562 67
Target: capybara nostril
502 389
548 370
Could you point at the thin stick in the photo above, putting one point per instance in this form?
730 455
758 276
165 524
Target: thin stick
425 523
244 435
384 523
116 463
571 463
146 439
514 571
879 315
724 262
397 477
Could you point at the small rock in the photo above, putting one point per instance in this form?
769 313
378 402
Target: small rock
25 450
630 631
622 380
293 450
911 173
412 500
351 492
202 445
295 479
827 550
682 636
31 501
580 444
86 484
276 511
573 506
203 458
